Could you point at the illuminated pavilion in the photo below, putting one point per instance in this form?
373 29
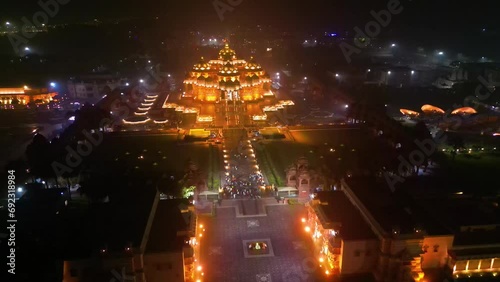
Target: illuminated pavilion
25 95
227 78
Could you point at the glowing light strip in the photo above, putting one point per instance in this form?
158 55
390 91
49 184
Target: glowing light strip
149 100
136 122
147 105
10 92
190 110
140 114
259 117
269 109
170 105
144 109
152 96
287 103
160 121
205 118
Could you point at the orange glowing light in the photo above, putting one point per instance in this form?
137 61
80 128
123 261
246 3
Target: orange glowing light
307 229
303 220
407 112
430 109
464 111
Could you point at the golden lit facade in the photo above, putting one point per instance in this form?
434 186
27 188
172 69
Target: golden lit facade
227 78
25 95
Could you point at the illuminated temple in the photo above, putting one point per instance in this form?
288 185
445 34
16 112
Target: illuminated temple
227 78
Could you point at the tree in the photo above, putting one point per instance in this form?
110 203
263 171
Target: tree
457 143
40 155
422 134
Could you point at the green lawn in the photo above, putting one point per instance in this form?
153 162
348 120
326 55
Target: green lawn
214 168
275 157
151 154
279 155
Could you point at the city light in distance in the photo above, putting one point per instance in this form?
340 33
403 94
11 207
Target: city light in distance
440 53
393 45
7 23
52 84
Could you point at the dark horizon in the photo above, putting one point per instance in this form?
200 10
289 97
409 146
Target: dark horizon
443 16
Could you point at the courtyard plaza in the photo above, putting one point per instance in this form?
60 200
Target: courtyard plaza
229 249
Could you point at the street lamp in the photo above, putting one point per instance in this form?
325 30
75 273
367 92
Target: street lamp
393 45
26 48
52 84
440 53
141 80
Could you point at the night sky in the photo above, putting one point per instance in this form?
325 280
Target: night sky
443 15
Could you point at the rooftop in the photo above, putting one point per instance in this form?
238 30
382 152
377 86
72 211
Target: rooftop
113 226
459 212
168 221
393 210
338 209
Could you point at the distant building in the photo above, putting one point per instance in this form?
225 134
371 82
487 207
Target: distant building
24 96
490 73
136 244
92 88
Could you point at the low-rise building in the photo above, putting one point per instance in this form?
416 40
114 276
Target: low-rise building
24 96
345 242
366 228
92 88
151 240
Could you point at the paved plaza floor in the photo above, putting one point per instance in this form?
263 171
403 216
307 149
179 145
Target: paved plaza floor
223 255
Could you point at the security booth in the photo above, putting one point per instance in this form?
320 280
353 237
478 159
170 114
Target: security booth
208 196
287 193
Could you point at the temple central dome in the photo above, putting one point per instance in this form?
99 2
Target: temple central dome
227 53
227 78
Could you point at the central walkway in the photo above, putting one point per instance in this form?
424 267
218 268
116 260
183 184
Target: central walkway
225 248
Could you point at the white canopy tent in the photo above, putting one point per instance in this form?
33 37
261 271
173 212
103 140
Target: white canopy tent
205 195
